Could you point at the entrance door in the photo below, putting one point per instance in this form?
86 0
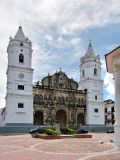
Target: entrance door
61 117
80 119
38 118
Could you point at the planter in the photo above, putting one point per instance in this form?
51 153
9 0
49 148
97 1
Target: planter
83 135
48 136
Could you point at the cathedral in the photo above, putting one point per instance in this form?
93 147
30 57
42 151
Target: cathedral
56 98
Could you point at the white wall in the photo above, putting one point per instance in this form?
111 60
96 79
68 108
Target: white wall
14 95
19 115
94 86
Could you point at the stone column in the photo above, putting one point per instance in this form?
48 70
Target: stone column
117 104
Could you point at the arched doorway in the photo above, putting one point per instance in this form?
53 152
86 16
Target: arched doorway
80 119
61 117
38 118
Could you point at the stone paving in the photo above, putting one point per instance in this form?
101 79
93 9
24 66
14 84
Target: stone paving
24 147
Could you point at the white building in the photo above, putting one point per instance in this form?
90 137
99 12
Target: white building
19 97
90 81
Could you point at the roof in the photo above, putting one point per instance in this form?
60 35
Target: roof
90 52
20 35
109 58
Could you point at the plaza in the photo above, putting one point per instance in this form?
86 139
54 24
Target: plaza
24 147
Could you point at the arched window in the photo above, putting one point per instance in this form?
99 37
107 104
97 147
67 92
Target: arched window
95 71
21 58
83 73
95 97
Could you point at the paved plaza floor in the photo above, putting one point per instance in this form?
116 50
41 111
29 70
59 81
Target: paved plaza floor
24 147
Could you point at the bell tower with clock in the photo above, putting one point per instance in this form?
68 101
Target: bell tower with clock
19 97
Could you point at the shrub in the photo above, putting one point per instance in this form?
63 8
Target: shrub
71 131
67 131
50 132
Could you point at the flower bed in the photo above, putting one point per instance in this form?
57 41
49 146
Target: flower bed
83 135
43 136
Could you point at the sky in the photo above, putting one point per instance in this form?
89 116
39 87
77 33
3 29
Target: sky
60 31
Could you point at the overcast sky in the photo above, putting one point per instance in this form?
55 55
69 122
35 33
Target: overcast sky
60 32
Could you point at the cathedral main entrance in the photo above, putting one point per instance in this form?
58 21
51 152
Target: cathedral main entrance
80 119
61 117
38 118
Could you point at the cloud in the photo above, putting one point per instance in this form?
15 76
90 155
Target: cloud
55 29
109 86
108 82
109 48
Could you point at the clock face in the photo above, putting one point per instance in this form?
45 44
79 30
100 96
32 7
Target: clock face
21 76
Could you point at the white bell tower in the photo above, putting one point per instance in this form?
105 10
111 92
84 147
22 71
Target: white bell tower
90 79
19 97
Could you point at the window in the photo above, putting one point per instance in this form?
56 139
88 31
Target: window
96 110
95 97
105 110
21 58
83 73
112 116
21 87
20 105
112 109
95 71
21 44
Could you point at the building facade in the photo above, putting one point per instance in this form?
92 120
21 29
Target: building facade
58 99
90 80
109 106
19 97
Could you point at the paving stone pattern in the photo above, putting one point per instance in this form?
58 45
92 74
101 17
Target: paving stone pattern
24 147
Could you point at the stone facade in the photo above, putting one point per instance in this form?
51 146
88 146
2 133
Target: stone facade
57 99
